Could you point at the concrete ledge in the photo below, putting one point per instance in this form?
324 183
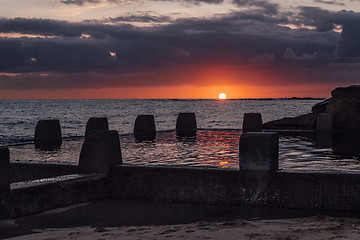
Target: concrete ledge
36 196
31 171
312 191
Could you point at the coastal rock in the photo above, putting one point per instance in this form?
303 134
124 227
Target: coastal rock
4 169
320 107
302 122
97 123
100 150
186 124
48 134
144 128
344 105
325 122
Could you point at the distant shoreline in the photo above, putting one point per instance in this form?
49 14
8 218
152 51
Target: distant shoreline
171 99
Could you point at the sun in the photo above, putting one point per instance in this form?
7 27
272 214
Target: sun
222 96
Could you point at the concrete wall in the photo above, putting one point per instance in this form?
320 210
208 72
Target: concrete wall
37 196
279 189
314 191
31 171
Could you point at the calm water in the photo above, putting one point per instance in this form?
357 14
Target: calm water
216 145
19 117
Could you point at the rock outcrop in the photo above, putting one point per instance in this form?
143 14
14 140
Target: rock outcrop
344 104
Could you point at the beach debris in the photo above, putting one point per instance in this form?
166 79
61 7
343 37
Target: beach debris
144 128
186 124
252 122
4 169
100 150
48 134
97 123
259 151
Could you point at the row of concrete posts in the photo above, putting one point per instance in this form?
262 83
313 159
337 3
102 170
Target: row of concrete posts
145 128
48 132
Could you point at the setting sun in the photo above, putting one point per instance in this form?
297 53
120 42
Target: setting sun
222 96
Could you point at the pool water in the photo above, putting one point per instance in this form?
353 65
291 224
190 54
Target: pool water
305 151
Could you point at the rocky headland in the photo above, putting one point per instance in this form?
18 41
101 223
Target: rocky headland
344 104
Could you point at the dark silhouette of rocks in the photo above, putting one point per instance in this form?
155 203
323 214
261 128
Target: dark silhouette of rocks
48 135
252 122
302 122
100 150
4 169
97 123
186 124
144 128
344 105
325 122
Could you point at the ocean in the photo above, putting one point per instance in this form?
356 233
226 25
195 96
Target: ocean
216 144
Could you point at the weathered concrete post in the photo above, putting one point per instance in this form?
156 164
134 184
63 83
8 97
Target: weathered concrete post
252 122
324 140
100 150
325 122
4 169
186 124
97 123
48 134
144 128
259 151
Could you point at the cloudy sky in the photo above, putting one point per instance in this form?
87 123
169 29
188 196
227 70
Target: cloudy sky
177 48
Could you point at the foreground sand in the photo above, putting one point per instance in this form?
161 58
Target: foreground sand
317 227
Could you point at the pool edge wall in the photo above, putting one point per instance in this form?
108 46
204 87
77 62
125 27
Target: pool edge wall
22 171
37 198
331 192
279 189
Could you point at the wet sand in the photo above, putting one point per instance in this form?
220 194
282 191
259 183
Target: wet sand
118 219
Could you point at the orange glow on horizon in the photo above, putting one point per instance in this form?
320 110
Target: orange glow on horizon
173 92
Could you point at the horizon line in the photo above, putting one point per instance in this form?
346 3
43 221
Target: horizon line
229 99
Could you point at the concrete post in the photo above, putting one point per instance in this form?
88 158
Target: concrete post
100 150
4 169
259 151
324 140
252 122
144 128
48 135
325 122
186 124
97 123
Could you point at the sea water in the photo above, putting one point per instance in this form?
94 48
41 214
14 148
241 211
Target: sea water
216 143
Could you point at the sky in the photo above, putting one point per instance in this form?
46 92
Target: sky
115 49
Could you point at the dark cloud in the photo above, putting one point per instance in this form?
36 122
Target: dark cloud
330 2
270 8
144 17
93 54
325 20
83 2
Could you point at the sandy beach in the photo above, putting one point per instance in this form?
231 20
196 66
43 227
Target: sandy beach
118 219
318 227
